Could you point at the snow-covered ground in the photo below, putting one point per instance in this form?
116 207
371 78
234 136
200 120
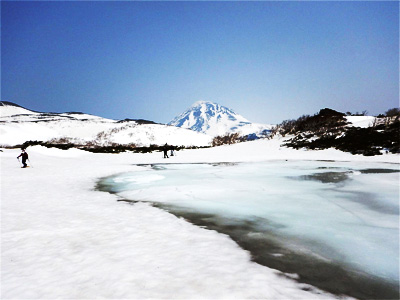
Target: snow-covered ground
60 238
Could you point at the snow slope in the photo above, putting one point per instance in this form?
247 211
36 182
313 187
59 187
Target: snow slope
18 125
8 109
214 119
63 239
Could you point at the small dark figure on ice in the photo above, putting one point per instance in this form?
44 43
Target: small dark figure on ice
165 149
25 157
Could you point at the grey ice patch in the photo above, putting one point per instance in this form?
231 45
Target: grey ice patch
378 171
372 202
327 177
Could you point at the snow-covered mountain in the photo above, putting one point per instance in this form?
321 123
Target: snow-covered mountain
18 125
214 119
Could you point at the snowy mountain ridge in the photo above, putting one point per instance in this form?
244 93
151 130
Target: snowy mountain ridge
18 125
8 109
214 119
11 112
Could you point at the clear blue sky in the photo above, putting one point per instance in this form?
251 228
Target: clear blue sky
269 61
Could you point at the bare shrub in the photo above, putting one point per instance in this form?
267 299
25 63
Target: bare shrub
393 112
229 139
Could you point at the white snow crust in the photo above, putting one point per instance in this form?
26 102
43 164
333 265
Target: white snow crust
62 239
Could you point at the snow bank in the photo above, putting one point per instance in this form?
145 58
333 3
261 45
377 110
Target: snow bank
360 121
263 150
157 134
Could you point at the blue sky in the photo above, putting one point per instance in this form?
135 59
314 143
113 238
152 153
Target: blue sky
269 61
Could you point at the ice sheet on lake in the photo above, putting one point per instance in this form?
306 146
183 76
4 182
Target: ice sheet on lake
321 206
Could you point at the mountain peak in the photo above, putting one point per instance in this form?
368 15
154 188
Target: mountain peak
210 118
202 102
7 103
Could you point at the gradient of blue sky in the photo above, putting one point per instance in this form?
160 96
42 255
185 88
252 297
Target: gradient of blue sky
269 61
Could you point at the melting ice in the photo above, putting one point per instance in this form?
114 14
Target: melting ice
344 212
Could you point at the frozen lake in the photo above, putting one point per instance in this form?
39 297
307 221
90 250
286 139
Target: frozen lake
335 224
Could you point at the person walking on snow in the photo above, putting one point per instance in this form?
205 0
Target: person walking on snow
165 148
24 156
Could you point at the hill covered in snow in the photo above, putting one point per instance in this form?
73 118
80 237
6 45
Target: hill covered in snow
18 125
9 109
217 120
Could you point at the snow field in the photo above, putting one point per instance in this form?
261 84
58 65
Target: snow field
63 239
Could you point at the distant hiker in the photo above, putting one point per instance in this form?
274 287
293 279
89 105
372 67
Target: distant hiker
165 149
24 156
172 151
